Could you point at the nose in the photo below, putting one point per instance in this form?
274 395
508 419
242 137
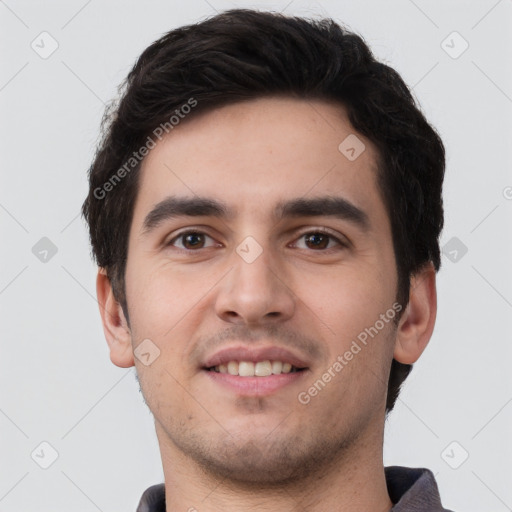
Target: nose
255 293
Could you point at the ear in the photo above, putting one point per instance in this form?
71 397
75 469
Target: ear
417 322
115 326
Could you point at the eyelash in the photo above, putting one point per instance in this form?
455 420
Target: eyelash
322 231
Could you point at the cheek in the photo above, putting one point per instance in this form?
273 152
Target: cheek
345 299
346 306
160 387
167 306
160 296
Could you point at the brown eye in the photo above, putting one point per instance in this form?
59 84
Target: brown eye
317 240
190 240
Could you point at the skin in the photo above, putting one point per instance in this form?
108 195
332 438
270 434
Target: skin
222 451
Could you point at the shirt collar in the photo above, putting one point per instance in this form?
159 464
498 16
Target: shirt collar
410 490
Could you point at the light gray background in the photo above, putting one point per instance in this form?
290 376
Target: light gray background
57 383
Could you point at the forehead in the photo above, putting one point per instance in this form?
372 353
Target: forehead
255 154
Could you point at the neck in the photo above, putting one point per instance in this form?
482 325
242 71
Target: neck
353 483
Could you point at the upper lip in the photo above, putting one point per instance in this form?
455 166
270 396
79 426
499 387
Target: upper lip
254 354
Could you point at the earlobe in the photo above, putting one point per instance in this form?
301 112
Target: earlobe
417 322
115 326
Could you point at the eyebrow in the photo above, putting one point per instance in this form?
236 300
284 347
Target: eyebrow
172 207
325 206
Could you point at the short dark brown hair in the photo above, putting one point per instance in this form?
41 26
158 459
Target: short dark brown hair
244 54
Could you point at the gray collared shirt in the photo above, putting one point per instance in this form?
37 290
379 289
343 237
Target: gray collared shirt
410 490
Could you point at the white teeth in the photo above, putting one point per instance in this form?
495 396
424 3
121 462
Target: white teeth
250 369
233 368
246 369
287 368
263 369
277 367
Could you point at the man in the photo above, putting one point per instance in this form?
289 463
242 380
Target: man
265 209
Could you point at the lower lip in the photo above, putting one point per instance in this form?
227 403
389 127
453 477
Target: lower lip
255 386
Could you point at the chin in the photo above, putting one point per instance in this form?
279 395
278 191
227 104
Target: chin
264 458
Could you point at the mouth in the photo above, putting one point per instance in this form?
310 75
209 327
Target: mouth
255 371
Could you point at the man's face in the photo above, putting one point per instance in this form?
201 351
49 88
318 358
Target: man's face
254 286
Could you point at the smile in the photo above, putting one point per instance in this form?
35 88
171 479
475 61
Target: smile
255 369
